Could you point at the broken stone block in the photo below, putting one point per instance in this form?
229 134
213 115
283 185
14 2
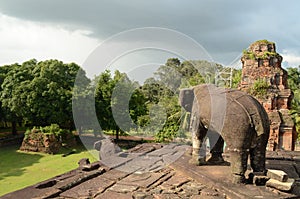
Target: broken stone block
84 161
90 167
45 184
277 175
260 180
281 186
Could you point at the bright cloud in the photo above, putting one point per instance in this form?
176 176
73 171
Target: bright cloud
290 58
22 40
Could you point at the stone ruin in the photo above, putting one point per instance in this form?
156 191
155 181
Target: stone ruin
261 62
183 180
37 141
40 142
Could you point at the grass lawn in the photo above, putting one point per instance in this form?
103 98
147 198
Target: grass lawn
20 169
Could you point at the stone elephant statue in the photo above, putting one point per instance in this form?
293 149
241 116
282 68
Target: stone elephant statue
227 114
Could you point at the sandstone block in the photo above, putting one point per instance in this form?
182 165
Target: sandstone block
277 175
286 166
112 194
120 188
282 186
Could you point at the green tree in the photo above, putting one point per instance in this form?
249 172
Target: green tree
163 90
294 84
83 103
41 92
191 75
152 90
7 116
236 77
103 95
172 124
119 102
169 75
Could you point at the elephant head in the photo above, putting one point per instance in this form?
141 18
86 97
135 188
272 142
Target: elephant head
186 98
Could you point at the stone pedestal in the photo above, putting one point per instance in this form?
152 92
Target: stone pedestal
262 62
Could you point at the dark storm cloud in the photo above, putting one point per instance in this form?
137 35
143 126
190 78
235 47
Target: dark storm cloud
109 17
223 27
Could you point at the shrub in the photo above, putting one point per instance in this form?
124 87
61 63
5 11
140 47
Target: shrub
170 129
259 88
54 129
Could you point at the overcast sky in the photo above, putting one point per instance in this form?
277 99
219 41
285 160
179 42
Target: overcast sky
70 30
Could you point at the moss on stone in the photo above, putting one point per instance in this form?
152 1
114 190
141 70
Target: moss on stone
254 56
249 54
267 55
263 41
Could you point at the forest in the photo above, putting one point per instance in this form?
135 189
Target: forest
38 94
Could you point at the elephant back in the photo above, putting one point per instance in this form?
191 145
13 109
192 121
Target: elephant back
205 90
255 111
210 101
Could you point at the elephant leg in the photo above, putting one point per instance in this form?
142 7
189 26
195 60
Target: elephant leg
199 148
258 154
216 143
238 165
198 136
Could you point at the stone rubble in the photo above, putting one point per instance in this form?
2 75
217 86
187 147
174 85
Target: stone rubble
281 186
280 180
277 175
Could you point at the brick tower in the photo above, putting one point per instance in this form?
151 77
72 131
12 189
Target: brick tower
262 63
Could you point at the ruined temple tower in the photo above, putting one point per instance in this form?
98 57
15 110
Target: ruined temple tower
262 70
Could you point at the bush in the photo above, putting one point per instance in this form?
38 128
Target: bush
170 129
54 129
259 88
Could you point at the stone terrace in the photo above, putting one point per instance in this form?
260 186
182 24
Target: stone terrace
177 180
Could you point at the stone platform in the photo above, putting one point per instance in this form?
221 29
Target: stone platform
179 179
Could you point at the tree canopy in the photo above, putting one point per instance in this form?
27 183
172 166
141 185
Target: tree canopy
294 84
40 92
118 102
